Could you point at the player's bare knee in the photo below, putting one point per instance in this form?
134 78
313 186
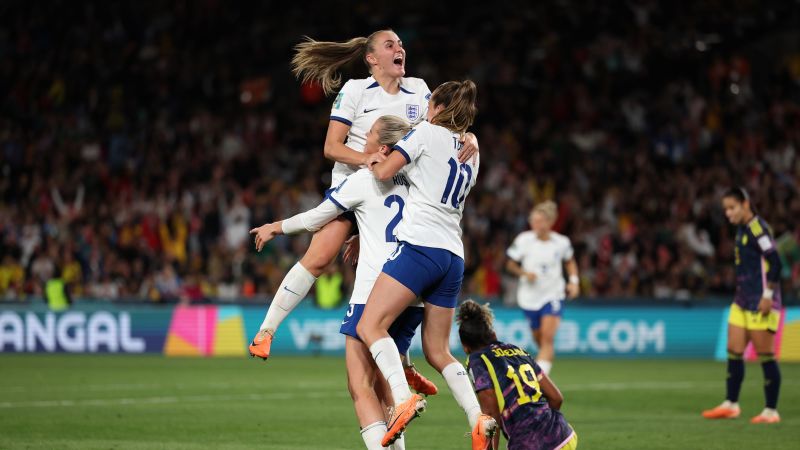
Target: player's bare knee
438 358
315 264
367 332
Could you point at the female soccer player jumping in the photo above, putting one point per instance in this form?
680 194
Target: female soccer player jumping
359 103
378 207
755 310
428 262
512 387
536 257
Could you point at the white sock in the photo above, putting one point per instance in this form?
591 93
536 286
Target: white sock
545 365
373 434
293 289
730 404
458 381
387 358
400 443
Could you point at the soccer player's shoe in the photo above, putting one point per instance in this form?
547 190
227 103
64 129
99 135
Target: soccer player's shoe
402 415
767 416
723 411
419 383
261 344
483 432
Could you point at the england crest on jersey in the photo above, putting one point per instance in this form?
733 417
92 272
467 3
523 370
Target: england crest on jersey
412 112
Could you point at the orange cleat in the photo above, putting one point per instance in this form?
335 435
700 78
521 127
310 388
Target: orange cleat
483 432
402 415
261 344
766 418
419 383
721 412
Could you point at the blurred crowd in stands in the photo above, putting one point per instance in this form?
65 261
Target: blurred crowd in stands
140 141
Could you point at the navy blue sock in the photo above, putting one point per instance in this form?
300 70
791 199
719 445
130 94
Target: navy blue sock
772 379
735 377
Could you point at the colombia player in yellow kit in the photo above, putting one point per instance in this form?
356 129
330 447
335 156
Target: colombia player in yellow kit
754 313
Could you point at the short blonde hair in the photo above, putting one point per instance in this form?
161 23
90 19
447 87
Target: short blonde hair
548 208
393 128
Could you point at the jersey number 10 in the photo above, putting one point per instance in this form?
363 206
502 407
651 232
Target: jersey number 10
458 193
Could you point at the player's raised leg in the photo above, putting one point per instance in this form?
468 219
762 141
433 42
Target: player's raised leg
737 341
325 245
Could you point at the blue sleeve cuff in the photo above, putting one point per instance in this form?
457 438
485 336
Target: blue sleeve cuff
343 120
335 202
403 152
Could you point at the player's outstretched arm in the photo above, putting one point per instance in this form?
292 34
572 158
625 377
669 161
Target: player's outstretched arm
311 220
549 389
265 233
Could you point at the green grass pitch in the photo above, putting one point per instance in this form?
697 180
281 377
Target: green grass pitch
125 402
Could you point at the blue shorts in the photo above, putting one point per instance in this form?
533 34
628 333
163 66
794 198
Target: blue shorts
402 330
349 215
434 274
553 308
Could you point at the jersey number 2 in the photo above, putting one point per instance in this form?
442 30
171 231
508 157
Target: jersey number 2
390 200
458 194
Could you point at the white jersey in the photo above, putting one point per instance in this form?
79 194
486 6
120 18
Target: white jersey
546 260
378 206
439 187
361 102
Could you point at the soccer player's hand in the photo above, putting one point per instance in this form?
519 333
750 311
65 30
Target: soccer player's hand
529 276
374 158
572 290
265 233
765 306
351 249
469 150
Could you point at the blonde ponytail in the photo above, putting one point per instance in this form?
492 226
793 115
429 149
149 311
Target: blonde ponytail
393 129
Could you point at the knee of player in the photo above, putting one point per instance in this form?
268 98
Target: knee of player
547 339
734 354
365 331
438 358
315 263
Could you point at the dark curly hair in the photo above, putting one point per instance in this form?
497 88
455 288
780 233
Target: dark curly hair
475 325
